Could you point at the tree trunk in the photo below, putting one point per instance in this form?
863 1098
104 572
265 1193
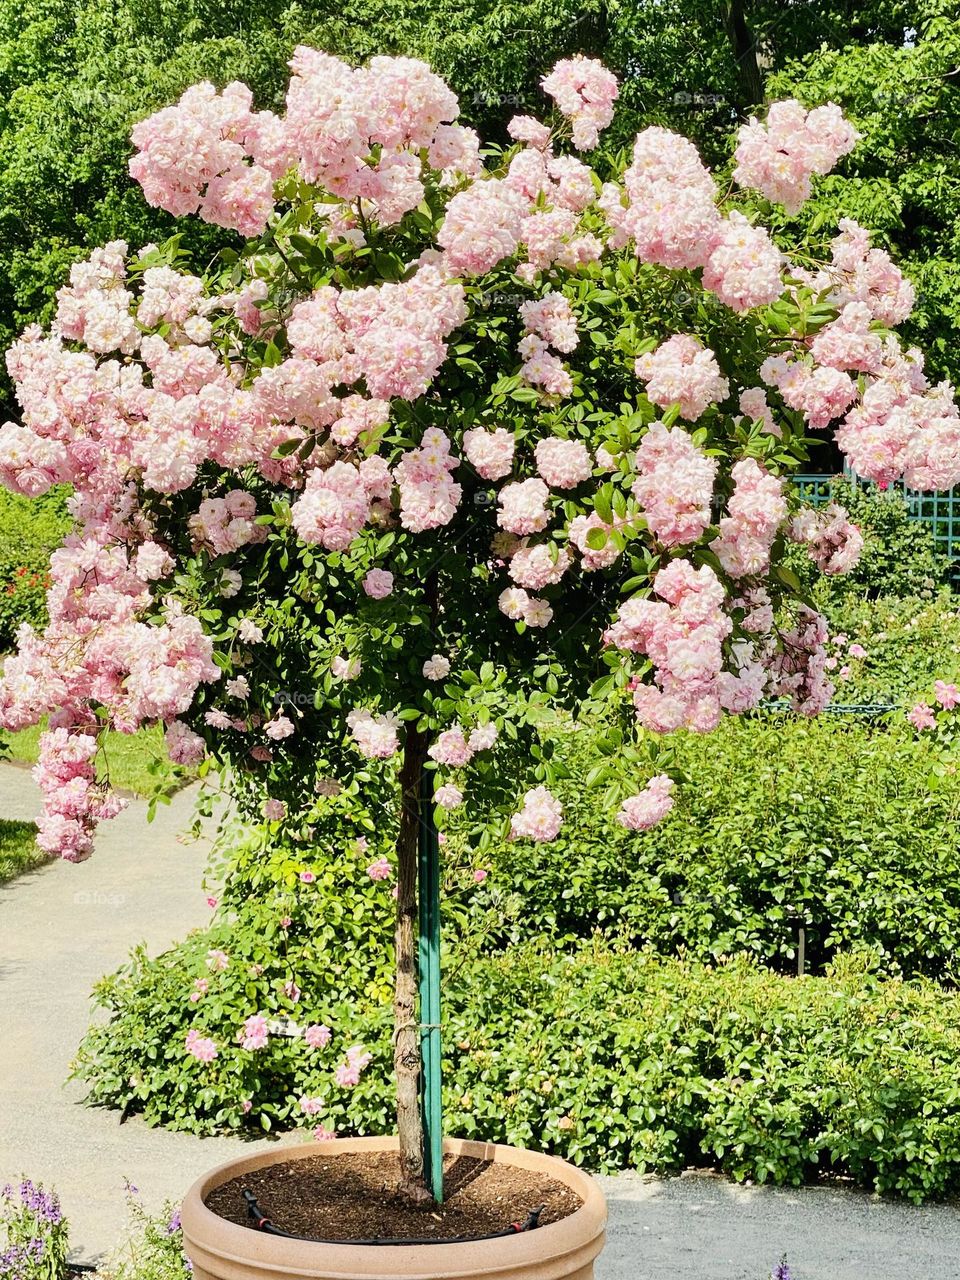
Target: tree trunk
745 52
406 1035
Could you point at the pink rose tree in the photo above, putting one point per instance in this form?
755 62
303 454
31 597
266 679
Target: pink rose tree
451 441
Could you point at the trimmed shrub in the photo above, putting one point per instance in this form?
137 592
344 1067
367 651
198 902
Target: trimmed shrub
828 824
610 1059
909 642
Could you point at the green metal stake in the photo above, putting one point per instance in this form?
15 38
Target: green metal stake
428 964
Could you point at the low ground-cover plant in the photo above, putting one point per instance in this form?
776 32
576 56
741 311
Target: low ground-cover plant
619 1060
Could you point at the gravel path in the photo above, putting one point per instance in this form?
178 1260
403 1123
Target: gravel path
62 927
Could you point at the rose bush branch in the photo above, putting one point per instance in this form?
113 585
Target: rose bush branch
452 442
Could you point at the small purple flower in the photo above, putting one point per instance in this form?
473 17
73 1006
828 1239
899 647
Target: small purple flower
173 1226
781 1271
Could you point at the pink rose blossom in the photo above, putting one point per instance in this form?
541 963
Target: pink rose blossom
948 695
200 1047
317 1036
921 716
378 583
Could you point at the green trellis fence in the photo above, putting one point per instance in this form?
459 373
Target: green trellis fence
939 511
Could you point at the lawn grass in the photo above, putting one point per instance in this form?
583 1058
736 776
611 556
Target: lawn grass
127 756
18 850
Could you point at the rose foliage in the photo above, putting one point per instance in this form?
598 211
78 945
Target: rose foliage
454 437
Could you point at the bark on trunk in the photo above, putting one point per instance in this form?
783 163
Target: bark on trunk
744 47
406 1051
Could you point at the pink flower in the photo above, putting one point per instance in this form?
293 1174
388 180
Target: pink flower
311 1106
437 667
640 812
274 810
348 1073
451 748
376 736
674 485
317 1036
291 991
279 727
921 716
948 695
834 544
540 818
779 157
380 870
307 877
527 129
584 91
200 1047
523 507
217 960
246 1106
682 371
490 453
322 1134
378 583
448 796
346 668
563 463
744 267
249 632
254 1033
481 227
480 875
212 902
483 737
857 651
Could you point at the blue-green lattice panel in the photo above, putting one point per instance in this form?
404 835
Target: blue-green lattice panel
939 511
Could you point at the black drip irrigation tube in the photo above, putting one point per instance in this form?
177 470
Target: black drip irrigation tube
263 1223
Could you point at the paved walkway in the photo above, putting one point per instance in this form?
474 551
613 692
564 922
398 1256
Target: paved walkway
63 927
703 1227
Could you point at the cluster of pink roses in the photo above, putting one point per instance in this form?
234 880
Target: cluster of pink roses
151 383
668 210
650 806
833 542
540 817
682 371
74 802
779 156
213 155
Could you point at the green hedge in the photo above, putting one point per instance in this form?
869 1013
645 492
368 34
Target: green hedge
835 824
610 1059
910 643
29 530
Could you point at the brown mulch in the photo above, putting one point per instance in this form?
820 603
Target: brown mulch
354 1197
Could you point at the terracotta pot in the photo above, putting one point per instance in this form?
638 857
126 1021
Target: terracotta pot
565 1250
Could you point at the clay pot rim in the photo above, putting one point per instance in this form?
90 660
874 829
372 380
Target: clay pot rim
218 1238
